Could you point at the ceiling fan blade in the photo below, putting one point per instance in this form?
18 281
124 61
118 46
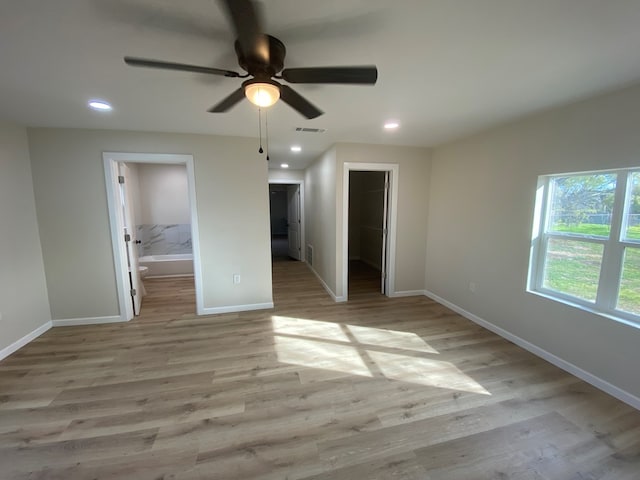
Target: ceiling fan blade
359 75
298 102
248 27
228 102
147 62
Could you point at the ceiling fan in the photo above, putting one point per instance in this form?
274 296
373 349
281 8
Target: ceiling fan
262 57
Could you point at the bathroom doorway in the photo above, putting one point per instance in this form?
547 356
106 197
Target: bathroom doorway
153 221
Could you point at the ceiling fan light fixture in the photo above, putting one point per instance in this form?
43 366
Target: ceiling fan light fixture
262 94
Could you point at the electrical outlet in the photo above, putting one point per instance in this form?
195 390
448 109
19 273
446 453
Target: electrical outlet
236 278
473 287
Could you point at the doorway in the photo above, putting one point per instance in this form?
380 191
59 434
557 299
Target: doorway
287 221
370 198
367 249
129 237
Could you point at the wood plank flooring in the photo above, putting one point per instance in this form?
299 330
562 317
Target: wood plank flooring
374 388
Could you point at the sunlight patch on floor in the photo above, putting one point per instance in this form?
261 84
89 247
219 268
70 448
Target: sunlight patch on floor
389 338
366 351
309 328
318 354
424 371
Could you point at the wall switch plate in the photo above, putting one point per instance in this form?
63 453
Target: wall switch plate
473 287
236 278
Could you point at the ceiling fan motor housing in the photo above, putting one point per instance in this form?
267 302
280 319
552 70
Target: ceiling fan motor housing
257 67
262 57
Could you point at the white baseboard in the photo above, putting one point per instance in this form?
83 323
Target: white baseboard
70 322
170 276
235 308
8 350
326 287
408 293
588 377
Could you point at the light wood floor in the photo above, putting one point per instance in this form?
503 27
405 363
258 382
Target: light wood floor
375 388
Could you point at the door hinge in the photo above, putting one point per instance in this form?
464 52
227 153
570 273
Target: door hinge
133 292
127 237
120 179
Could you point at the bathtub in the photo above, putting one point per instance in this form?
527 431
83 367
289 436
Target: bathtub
167 265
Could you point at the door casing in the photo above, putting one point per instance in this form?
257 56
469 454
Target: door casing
390 267
116 222
301 184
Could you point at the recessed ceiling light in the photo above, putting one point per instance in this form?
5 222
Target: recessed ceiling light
296 148
391 125
100 106
284 165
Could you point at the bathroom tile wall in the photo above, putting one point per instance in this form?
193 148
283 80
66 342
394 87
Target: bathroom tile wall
164 239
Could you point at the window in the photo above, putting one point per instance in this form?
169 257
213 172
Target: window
586 241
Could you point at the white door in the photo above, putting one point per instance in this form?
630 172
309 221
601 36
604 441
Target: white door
293 220
385 225
129 236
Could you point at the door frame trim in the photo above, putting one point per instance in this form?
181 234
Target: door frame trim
302 237
394 170
116 222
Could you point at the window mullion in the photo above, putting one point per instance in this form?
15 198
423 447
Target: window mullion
611 269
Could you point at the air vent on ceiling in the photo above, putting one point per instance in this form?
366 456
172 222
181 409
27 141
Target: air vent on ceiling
311 130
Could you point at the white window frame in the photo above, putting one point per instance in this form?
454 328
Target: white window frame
613 248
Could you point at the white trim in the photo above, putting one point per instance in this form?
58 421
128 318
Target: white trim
408 293
69 322
236 308
303 252
569 367
326 287
18 344
394 169
119 255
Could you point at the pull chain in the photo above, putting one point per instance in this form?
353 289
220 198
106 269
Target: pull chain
266 127
260 129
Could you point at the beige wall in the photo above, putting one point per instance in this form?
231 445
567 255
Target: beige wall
320 216
164 195
23 295
283 175
480 219
233 216
324 202
413 195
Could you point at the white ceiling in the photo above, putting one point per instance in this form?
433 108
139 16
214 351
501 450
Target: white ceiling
446 67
